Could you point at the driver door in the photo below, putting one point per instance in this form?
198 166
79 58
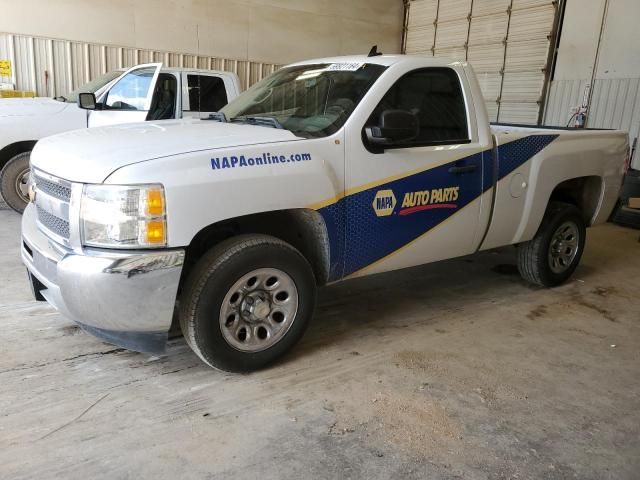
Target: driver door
417 200
129 98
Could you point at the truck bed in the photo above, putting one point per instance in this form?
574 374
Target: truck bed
523 188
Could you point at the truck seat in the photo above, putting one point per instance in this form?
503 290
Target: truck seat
163 104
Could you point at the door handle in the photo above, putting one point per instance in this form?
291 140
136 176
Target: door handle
464 169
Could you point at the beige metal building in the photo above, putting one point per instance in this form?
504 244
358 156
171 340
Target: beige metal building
66 44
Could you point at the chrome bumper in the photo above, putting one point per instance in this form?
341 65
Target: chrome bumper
125 298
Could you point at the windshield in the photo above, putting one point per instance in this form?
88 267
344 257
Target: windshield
308 100
91 87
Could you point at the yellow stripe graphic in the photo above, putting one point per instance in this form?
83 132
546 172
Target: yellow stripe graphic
382 181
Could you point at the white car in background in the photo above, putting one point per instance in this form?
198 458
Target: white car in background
144 92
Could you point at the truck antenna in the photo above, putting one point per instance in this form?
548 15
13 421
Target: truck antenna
374 51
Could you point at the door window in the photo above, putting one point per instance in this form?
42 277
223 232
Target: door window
206 93
131 91
163 104
435 96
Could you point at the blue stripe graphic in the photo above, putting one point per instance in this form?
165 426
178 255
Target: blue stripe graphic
358 237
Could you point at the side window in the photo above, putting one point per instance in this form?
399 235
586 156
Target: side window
130 93
206 93
163 103
435 96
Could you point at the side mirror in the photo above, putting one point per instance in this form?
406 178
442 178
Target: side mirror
395 126
87 101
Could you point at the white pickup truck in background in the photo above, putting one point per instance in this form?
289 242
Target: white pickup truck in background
144 92
326 170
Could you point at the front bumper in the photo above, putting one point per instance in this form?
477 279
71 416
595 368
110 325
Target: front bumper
125 298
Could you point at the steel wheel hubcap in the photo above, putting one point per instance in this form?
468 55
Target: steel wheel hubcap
258 310
22 185
563 247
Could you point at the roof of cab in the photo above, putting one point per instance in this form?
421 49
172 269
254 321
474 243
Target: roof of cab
183 69
194 70
385 60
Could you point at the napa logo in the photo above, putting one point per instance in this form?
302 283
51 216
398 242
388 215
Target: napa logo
384 202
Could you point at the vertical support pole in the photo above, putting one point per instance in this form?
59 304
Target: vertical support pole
435 30
32 58
595 62
69 66
12 59
504 60
52 70
103 58
405 27
554 41
466 44
87 63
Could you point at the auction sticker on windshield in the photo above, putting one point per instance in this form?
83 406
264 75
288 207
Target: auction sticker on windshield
344 67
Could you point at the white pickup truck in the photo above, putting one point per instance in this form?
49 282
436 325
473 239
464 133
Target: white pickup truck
326 170
144 92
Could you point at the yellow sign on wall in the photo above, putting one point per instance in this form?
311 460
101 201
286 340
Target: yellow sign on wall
5 68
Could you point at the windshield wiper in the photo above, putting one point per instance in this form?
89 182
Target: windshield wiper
61 98
217 116
259 120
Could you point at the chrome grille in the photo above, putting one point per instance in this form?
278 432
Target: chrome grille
61 192
53 197
57 225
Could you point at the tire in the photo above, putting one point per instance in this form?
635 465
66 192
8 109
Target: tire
13 173
551 257
220 298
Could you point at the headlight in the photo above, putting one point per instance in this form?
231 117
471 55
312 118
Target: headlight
116 216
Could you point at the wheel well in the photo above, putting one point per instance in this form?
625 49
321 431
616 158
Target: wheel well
583 192
14 149
302 228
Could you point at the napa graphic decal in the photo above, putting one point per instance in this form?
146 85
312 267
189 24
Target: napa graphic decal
233 161
372 229
368 225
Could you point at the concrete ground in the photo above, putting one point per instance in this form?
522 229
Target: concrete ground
453 370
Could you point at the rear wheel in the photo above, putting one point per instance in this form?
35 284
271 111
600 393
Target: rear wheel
247 302
14 182
552 256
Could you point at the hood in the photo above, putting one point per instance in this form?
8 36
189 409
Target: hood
25 107
91 155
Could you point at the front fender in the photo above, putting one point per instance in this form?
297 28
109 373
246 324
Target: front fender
31 128
203 188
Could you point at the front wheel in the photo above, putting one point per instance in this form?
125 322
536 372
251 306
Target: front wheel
552 256
247 302
14 182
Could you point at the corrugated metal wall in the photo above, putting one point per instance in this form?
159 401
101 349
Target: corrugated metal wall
53 67
506 41
615 104
597 48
